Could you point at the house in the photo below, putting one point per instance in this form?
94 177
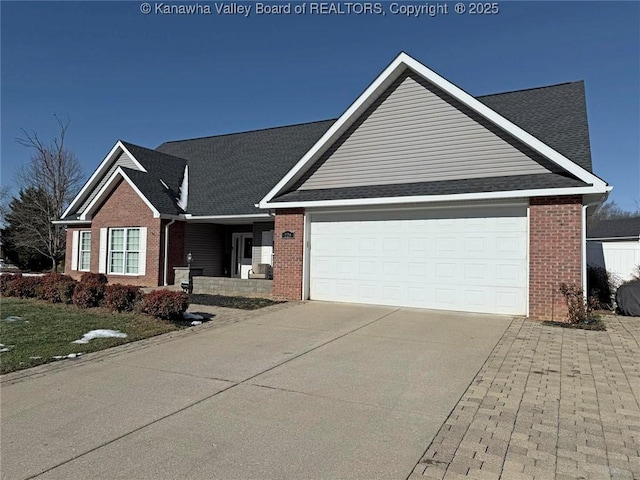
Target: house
615 245
418 195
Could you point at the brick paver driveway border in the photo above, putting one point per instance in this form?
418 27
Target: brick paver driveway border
549 403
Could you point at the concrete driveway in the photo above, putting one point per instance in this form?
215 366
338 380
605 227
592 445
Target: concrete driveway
316 390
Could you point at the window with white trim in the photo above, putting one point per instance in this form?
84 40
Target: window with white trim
124 251
84 252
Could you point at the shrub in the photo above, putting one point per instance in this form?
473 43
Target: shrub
89 278
89 292
601 285
635 275
26 287
121 298
6 284
165 304
57 288
579 311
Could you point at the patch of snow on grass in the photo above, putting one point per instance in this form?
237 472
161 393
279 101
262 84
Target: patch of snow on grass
5 348
12 318
61 357
100 334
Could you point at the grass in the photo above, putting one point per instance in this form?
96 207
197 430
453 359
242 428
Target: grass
47 330
242 303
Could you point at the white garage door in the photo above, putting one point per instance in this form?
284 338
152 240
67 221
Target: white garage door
467 259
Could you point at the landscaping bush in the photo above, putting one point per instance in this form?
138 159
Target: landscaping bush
89 292
579 311
26 287
601 285
165 304
6 284
57 288
121 298
89 278
635 275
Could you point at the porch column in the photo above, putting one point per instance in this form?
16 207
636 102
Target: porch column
288 248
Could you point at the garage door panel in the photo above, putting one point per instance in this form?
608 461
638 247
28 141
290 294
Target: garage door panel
468 259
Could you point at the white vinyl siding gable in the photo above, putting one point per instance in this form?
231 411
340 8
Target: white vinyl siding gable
415 133
122 161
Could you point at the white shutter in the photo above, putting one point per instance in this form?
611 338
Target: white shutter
102 258
267 247
74 249
142 260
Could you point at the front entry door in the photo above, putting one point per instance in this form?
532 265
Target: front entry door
241 254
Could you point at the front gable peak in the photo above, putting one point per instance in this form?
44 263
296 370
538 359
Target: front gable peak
406 76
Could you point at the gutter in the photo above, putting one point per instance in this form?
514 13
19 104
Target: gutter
166 251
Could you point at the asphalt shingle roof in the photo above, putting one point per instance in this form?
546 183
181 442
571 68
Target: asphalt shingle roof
618 227
151 187
445 187
556 115
229 174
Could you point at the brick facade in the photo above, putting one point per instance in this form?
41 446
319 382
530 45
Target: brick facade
288 254
124 208
555 253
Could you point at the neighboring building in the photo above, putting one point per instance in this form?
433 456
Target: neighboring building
615 245
417 195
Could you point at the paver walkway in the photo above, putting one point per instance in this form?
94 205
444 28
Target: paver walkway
549 403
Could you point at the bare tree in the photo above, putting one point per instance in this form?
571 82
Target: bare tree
53 177
610 210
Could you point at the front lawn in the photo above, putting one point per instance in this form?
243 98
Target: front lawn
45 330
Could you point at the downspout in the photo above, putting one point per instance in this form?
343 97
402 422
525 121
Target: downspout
166 251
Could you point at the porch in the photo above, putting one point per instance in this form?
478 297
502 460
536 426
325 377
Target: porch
221 258
233 287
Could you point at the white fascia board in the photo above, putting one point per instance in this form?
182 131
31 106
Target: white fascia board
107 187
249 216
392 72
426 199
71 222
104 165
635 238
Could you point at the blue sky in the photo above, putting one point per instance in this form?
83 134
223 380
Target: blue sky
119 74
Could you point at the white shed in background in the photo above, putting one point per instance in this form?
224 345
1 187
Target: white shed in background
615 245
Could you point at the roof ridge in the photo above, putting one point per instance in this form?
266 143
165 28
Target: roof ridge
151 150
528 89
249 131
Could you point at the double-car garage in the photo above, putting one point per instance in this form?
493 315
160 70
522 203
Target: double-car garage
466 258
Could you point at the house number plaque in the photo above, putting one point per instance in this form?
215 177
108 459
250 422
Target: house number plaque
288 234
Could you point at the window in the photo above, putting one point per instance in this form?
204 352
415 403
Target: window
84 252
248 247
124 251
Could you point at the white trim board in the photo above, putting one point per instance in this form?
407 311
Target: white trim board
379 85
113 154
426 199
108 187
